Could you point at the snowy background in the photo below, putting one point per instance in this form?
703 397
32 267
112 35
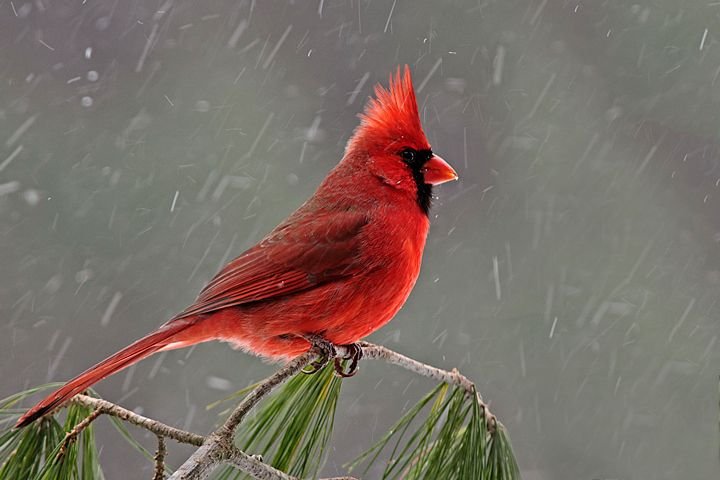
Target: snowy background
573 271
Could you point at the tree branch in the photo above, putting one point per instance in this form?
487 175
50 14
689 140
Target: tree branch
452 377
160 459
218 447
158 428
249 464
72 435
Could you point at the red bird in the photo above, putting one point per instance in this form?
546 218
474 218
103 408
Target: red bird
333 272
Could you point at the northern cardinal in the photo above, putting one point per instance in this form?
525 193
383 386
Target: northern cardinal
333 272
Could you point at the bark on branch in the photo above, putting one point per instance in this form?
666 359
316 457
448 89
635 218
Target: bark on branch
218 447
452 377
158 428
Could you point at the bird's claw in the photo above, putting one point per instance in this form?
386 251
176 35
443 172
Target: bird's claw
324 350
354 354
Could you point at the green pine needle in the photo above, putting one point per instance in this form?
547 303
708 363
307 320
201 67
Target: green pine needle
292 429
445 435
238 395
451 441
33 452
121 428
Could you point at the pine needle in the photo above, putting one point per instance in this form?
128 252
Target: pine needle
121 428
34 451
445 435
293 427
451 442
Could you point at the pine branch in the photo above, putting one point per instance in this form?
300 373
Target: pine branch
219 447
73 434
160 459
235 456
453 377
158 428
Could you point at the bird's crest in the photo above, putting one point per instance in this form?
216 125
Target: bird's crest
392 118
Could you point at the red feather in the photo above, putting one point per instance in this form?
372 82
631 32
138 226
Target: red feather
391 119
299 254
340 267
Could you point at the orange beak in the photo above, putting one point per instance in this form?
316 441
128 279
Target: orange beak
437 171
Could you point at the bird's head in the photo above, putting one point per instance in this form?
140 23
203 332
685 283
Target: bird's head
391 140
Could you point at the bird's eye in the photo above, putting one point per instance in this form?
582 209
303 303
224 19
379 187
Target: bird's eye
408 155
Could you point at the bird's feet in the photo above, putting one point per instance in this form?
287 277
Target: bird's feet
325 351
354 354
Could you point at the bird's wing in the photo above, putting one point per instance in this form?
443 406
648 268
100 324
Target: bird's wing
300 254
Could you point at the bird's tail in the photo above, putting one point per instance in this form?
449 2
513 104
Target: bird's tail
146 346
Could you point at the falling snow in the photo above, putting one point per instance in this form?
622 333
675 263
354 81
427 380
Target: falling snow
573 271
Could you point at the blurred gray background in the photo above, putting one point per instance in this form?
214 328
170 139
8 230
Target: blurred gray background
573 271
